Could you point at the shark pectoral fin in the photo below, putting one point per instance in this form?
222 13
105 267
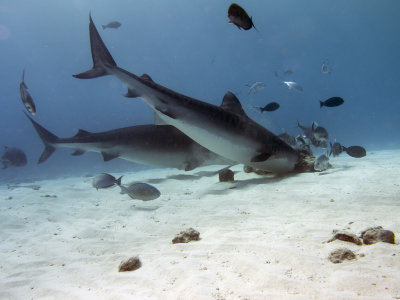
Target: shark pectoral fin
131 94
165 111
78 152
108 157
261 157
158 120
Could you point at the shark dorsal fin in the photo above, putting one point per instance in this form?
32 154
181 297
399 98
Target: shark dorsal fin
82 133
147 77
108 156
232 104
158 120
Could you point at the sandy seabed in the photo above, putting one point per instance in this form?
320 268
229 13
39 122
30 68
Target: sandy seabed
261 237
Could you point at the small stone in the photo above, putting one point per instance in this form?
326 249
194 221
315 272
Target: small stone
347 237
377 234
226 175
339 255
130 264
187 236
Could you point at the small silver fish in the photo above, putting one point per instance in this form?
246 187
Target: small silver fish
113 24
104 180
26 97
325 68
321 163
141 191
256 87
293 85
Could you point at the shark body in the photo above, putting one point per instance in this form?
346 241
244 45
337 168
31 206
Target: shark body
225 130
154 145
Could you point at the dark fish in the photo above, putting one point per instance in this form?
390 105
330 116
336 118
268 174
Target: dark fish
13 157
269 107
141 191
355 151
26 97
104 180
336 149
287 138
113 24
239 17
321 163
331 102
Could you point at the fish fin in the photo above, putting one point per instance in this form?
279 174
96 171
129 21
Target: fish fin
47 138
252 24
261 157
100 55
78 152
232 104
108 157
158 120
147 77
165 112
321 104
104 26
330 153
131 94
118 181
47 152
82 133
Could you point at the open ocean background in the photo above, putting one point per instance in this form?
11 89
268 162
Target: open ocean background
188 46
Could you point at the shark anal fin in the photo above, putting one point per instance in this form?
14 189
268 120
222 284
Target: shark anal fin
165 112
131 94
108 157
261 157
78 152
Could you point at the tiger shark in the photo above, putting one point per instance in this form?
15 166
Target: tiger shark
225 130
154 145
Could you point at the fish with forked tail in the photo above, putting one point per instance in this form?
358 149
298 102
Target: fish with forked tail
154 145
26 97
225 130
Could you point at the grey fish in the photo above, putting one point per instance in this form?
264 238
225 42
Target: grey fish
238 16
141 191
293 85
13 157
256 87
104 180
287 138
321 163
336 149
113 24
320 134
154 145
225 130
325 68
355 151
288 72
26 97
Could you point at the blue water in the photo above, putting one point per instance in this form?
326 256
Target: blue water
189 46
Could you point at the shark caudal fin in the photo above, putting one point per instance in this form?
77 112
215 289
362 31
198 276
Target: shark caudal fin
100 55
47 137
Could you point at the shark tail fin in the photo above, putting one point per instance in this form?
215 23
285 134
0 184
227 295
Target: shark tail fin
100 55
47 137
